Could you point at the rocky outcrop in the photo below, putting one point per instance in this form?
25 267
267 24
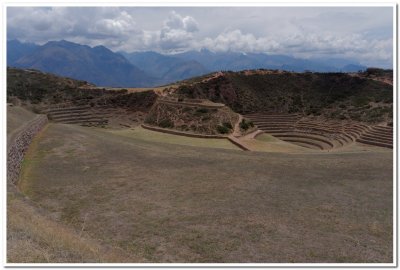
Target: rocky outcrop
18 145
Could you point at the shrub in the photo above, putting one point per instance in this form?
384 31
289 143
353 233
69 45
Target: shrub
360 101
186 109
245 125
150 119
202 110
184 127
222 129
166 123
227 125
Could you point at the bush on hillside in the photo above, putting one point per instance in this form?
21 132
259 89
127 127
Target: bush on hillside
246 124
227 125
166 123
222 129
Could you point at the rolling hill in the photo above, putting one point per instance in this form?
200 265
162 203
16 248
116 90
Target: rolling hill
335 95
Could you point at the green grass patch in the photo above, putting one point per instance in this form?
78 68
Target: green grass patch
266 138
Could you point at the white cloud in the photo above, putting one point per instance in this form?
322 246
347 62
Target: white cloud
120 25
177 32
176 21
237 41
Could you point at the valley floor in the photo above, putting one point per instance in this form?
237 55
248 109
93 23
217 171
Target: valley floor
158 201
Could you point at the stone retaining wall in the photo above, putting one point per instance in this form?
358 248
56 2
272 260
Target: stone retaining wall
193 135
182 133
19 144
183 103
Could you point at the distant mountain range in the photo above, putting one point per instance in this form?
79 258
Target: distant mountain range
103 67
97 65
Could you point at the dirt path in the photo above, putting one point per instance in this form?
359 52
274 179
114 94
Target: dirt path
236 129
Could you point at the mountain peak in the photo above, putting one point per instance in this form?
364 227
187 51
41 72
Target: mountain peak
64 44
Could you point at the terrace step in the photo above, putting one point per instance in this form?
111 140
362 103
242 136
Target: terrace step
326 133
352 134
52 110
90 117
68 112
373 135
348 137
356 129
387 145
273 115
63 116
320 125
323 142
330 131
276 131
384 128
359 129
370 138
379 134
99 121
275 121
304 143
274 126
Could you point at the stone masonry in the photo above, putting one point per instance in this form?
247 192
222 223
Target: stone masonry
19 145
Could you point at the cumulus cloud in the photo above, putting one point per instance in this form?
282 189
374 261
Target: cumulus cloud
120 25
240 42
176 21
177 32
355 46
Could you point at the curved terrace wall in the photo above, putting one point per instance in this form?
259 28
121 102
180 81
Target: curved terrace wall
18 145
193 135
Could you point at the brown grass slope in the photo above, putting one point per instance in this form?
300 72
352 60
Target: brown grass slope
17 117
45 89
335 95
170 203
32 235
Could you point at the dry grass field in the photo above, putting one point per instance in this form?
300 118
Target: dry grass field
17 117
153 136
157 200
32 235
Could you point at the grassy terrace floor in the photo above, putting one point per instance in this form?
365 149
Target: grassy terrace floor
163 202
154 136
17 117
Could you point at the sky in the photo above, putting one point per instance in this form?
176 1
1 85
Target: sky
363 34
